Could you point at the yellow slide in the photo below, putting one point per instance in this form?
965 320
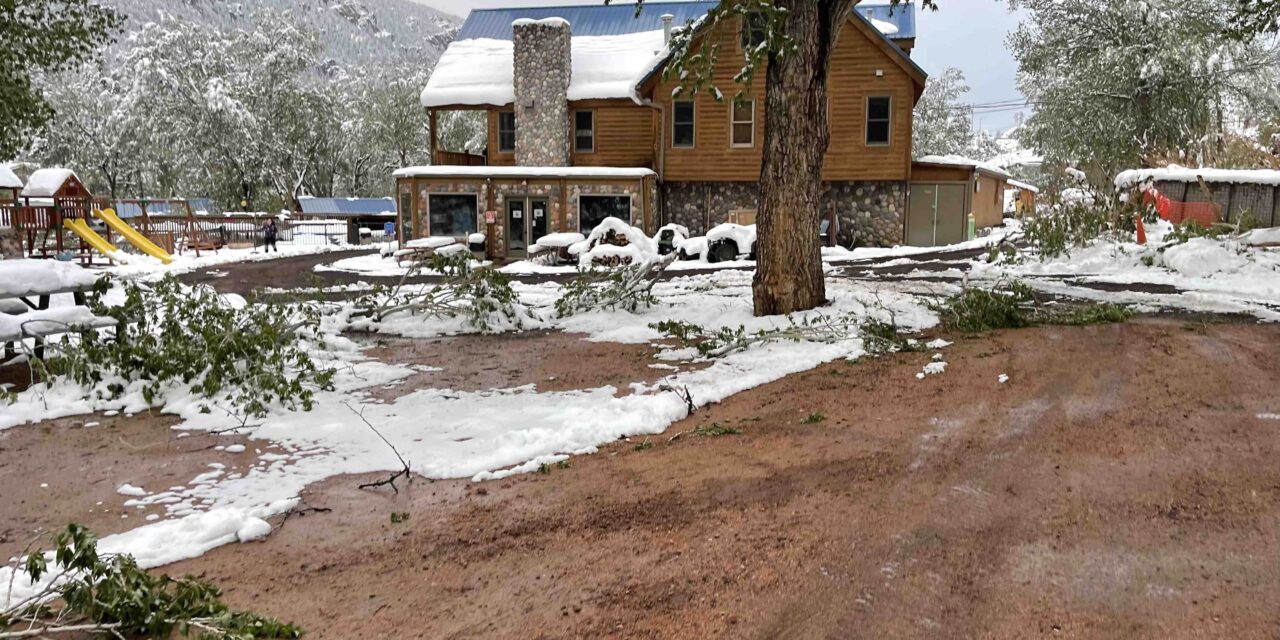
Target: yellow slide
81 228
136 239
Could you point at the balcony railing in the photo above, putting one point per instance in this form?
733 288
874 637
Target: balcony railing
458 158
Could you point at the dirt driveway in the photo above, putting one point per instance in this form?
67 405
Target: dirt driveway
1122 483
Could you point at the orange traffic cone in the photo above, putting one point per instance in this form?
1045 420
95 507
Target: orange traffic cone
1142 233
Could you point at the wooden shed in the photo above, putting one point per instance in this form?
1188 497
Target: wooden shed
10 185
944 191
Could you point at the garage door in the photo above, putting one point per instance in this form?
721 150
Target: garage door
936 215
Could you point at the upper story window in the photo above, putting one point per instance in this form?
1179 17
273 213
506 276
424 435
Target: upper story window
878 120
753 31
584 131
506 131
742 123
682 127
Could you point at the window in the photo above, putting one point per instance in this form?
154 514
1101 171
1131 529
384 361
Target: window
753 31
878 121
584 131
452 214
406 215
682 133
592 210
742 116
506 131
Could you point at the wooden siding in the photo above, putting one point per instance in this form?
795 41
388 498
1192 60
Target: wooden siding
623 134
988 201
498 158
853 79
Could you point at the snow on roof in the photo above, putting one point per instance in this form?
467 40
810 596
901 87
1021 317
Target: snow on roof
480 71
961 161
523 172
46 182
1176 173
612 49
9 179
1018 184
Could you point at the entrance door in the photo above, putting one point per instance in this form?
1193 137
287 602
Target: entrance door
539 218
517 230
936 215
920 215
951 223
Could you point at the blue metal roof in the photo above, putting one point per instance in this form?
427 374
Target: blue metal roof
338 207
161 207
619 19
902 16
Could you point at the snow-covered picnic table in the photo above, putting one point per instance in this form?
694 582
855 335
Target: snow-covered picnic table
26 289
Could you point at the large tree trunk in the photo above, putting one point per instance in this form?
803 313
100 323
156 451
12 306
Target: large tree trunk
789 268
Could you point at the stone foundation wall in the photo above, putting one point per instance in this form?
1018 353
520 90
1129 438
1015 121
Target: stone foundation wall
870 213
542 68
504 190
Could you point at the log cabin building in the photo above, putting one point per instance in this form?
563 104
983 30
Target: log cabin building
582 126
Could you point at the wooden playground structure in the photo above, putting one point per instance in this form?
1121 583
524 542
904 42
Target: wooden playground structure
53 214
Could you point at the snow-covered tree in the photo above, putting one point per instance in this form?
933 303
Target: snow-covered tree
944 121
1116 83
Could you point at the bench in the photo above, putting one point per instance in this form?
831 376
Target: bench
26 289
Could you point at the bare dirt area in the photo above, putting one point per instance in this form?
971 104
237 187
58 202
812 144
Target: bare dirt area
1121 484
68 470
549 360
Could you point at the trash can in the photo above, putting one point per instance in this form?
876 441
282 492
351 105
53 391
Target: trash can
476 242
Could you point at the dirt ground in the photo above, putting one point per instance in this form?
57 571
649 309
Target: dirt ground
1122 484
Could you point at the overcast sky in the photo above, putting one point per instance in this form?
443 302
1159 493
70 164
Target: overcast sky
968 34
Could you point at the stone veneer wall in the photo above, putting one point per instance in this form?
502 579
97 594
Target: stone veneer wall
542 70
870 213
504 190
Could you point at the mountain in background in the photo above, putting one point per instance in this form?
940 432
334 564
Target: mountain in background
352 32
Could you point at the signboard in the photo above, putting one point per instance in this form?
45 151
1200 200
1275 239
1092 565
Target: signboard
490 217
537 213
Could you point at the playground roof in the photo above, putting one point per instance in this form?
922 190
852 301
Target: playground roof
8 179
347 207
45 183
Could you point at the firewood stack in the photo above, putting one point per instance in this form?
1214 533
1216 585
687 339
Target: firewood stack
616 239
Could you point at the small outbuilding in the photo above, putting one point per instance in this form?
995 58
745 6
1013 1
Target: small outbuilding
56 184
10 185
944 191
1019 199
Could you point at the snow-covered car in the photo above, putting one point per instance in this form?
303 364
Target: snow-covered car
724 243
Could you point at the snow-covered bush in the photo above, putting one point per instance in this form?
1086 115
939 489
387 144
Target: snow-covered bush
171 336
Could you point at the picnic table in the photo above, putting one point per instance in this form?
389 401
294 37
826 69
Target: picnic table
27 288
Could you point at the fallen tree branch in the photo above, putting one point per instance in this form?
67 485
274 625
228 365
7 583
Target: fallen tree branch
74 628
390 480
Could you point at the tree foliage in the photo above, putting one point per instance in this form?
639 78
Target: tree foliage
1115 83
43 36
252 112
101 595
944 123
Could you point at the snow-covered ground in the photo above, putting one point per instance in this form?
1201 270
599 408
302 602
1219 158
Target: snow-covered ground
451 434
1225 275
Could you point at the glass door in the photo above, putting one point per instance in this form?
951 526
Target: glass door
517 231
539 218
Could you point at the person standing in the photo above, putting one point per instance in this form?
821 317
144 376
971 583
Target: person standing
269 233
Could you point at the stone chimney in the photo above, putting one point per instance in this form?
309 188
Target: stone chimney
541 75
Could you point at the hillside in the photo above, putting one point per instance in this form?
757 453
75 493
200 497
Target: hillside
352 31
